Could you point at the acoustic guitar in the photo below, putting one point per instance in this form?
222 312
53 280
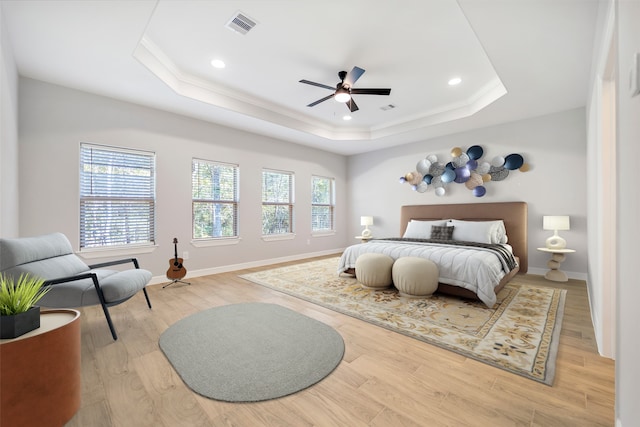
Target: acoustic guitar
176 270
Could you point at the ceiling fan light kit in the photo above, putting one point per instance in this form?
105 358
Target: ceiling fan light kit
342 95
345 89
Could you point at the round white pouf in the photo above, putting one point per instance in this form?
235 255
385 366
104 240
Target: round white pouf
374 270
415 277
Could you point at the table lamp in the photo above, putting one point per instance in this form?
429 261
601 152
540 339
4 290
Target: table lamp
555 223
366 221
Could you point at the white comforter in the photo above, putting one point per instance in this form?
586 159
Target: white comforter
476 269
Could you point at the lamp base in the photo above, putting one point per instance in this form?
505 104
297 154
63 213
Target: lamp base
366 233
556 242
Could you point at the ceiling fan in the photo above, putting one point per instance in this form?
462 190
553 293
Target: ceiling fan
345 89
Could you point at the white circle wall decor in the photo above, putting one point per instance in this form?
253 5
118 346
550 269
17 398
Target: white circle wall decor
461 160
483 168
423 166
497 161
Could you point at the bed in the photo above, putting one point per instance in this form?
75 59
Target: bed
478 271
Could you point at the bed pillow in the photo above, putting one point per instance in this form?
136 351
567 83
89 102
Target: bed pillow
479 231
443 232
500 235
417 229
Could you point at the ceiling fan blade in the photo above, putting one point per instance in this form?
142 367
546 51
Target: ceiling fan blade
371 91
320 100
353 76
317 84
351 104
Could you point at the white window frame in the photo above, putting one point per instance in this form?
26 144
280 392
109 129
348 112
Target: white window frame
331 205
97 198
289 204
214 240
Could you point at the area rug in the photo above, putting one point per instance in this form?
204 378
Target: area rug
520 334
251 352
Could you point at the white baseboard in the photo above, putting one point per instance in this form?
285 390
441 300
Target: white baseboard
570 274
251 264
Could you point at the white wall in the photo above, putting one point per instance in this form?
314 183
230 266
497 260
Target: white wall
55 120
554 146
601 157
9 217
628 213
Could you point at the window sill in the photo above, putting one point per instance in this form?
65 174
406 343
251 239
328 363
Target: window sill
226 241
323 233
120 251
277 237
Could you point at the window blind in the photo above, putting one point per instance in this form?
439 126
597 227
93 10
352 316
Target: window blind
117 197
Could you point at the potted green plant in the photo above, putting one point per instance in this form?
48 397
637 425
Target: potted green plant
18 313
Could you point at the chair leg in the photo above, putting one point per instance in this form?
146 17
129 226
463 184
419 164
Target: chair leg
111 327
146 296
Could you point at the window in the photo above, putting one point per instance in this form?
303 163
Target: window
117 197
277 202
214 189
322 203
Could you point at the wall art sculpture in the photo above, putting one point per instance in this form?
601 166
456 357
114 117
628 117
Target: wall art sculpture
464 168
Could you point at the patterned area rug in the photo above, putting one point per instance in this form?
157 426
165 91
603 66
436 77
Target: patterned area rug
520 334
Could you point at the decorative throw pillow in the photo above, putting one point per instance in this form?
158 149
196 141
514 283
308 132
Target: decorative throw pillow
441 232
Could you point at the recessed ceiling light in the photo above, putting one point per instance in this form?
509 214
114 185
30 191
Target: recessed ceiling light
455 81
346 117
218 63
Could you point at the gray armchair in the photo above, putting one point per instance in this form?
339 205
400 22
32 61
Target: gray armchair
73 283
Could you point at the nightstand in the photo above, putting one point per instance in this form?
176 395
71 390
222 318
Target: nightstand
364 239
557 256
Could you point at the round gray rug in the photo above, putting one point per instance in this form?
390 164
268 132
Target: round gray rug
251 352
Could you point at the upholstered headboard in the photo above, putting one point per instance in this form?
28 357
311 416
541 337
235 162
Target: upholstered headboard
514 215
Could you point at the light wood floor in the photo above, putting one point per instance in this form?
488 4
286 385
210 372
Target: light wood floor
386 379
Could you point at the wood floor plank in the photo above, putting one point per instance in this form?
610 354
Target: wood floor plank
171 402
329 409
385 379
389 417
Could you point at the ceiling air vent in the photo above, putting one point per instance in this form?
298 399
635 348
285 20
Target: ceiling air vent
387 107
241 23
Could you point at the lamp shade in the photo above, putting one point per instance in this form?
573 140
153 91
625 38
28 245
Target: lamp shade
366 220
560 222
